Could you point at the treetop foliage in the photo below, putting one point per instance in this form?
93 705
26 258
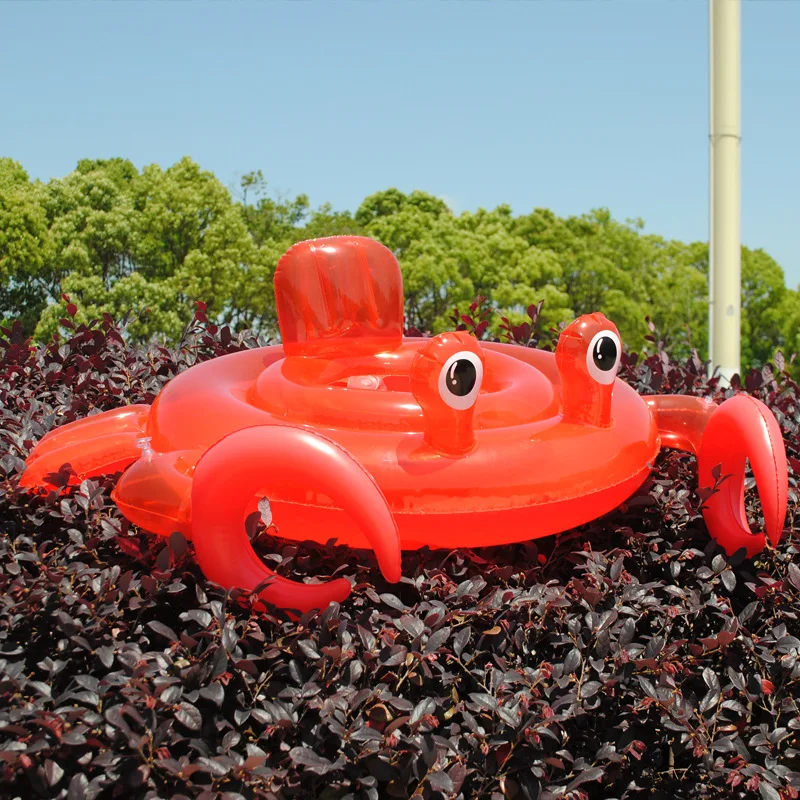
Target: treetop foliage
116 239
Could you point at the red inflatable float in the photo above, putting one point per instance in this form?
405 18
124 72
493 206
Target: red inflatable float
353 431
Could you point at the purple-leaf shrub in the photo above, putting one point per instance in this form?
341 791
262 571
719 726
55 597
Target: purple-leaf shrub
628 658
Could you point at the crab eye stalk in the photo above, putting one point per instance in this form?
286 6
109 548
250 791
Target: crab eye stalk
446 377
588 356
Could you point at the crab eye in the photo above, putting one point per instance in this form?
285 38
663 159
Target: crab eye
602 357
460 380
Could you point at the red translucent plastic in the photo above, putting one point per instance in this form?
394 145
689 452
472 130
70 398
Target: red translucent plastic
355 433
723 437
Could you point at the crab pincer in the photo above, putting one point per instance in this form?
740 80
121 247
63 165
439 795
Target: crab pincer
743 428
274 458
724 437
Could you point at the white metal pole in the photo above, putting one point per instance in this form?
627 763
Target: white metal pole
725 194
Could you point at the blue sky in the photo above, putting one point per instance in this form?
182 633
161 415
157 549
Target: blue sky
563 104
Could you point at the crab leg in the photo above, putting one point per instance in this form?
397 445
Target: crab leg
128 419
155 493
94 457
681 419
741 428
235 469
97 445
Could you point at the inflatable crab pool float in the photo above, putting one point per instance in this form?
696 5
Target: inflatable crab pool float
355 432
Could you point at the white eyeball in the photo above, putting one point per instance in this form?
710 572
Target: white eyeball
460 380
603 355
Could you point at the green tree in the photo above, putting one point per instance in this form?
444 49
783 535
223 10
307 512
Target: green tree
765 301
447 260
24 246
116 239
269 219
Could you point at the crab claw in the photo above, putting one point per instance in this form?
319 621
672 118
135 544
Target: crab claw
743 427
239 466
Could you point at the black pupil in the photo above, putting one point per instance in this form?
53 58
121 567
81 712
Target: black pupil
461 377
605 353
